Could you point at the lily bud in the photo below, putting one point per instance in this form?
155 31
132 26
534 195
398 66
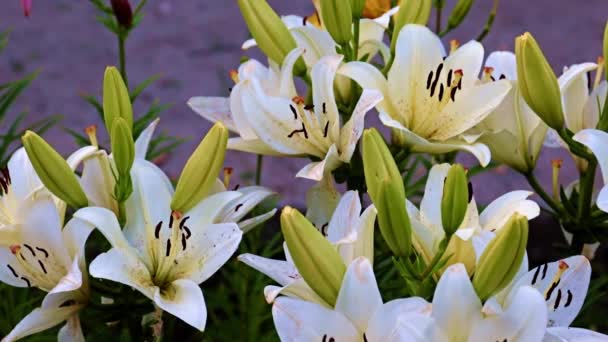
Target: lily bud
54 171
410 12
123 147
606 51
338 19
357 7
385 188
201 169
460 11
460 251
316 259
455 199
537 82
116 100
502 258
123 13
269 31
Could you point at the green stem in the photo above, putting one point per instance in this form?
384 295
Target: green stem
258 170
587 180
122 214
557 208
122 56
356 39
438 19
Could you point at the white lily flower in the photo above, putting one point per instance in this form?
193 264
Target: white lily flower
581 106
351 231
163 254
277 122
597 142
431 103
539 304
479 228
359 314
515 134
52 260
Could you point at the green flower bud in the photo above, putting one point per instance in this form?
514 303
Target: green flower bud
606 51
270 33
410 12
460 251
357 7
116 100
502 257
537 82
201 170
337 17
54 171
316 259
385 188
123 147
460 11
455 199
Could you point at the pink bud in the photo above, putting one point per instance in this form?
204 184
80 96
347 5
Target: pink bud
27 7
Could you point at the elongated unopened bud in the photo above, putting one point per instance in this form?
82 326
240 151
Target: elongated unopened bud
116 100
460 11
502 258
385 188
269 31
123 13
201 170
54 171
338 20
316 259
410 12
537 82
123 147
455 199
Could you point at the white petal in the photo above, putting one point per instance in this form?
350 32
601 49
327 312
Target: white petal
241 100
524 319
98 181
249 224
573 87
123 267
455 304
503 63
497 213
6 273
321 200
40 320
280 271
363 235
71 331
352 130
419 144
256 146
430 206
359 295
417 53
323 74
297 320
565 334
343 221
143 140
23 177
471 106
591 112
318 170
214 208
250 197
105 221
565 298
71 281
597 142
368 77
183 299
467 58
286 84
297 289
316 43
75 235
214 109
405 319
207 250
77 157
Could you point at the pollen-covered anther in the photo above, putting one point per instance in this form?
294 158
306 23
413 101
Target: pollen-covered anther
487 74
234 75
91 132
454 45
15 249
176 215
299 100
563 266
557 163
227 176
598 72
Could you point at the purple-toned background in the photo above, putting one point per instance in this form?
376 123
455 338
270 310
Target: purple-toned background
194 44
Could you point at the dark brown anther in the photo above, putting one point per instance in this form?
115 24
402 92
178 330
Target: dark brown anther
46 254
168 248
171 221
293 110
324 108
42 266
551 289
440 92
326 130
324 229
437 74
12 271
27 281
183 222
157 230
30 249
557 299
188 232
569 299
502 77
535 275
303 130
453 94
309 107
429 79
236 187
238 207
449 78
183 242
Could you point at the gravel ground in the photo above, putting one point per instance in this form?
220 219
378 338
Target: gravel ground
194 44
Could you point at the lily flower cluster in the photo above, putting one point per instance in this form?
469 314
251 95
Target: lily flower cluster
442 268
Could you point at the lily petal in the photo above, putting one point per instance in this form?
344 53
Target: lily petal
143 140
214 109
323 75
565 334
250 197
352 130
318 170
405 319
105 221
497 213
297 320
280 271
183 299
503 63
71 331
39 320
573 87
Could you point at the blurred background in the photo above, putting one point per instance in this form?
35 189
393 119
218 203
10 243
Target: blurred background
194 44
